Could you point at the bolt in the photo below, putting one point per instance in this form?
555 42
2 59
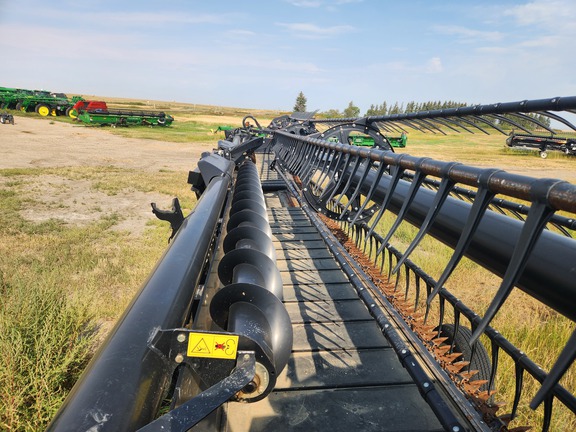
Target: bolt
455 429
426 385
250 388
181 337
179 358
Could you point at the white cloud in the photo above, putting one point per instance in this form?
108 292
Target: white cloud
544 12
434 65
339 2
148 18
468 35
305 3
241 33
497 50
542 42
53 15
282 65
313 31
402 68
319 3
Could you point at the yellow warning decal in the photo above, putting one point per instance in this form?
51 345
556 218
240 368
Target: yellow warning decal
212 345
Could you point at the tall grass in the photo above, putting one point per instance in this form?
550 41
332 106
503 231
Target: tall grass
62 286
45 341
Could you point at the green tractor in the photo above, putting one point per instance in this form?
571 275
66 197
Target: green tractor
43 102
46 103
9 97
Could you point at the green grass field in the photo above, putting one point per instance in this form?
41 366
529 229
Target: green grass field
63 286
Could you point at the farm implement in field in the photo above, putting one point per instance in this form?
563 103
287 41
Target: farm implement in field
121 118
82 106
290 300
44 103
228 130
11 98
6 118
367 141
542 143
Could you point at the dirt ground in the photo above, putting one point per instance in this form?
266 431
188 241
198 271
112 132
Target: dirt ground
40 143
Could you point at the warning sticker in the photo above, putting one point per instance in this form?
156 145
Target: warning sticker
212 345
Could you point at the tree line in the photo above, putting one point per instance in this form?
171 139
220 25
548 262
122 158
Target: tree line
352 111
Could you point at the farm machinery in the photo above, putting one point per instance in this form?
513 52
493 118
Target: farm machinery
283 303
104 116
542 143
97 112
47 103
9 97
44 103
83 105
6 118
367 141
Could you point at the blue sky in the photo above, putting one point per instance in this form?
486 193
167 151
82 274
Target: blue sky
261 54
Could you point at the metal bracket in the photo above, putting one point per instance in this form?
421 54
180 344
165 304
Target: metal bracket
187 415
210 354
174 216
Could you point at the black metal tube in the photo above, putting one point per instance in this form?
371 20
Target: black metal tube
549 273
527 106
124 384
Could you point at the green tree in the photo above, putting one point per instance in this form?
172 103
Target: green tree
377 110
383 108
410 107
372 111
352 110
395 109
300 105
332 113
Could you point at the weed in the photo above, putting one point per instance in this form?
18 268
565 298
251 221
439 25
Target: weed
58 285
45 341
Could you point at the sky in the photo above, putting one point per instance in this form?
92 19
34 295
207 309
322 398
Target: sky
260 54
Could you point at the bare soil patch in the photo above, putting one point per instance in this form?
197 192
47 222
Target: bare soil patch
76 202
42 143
39 143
